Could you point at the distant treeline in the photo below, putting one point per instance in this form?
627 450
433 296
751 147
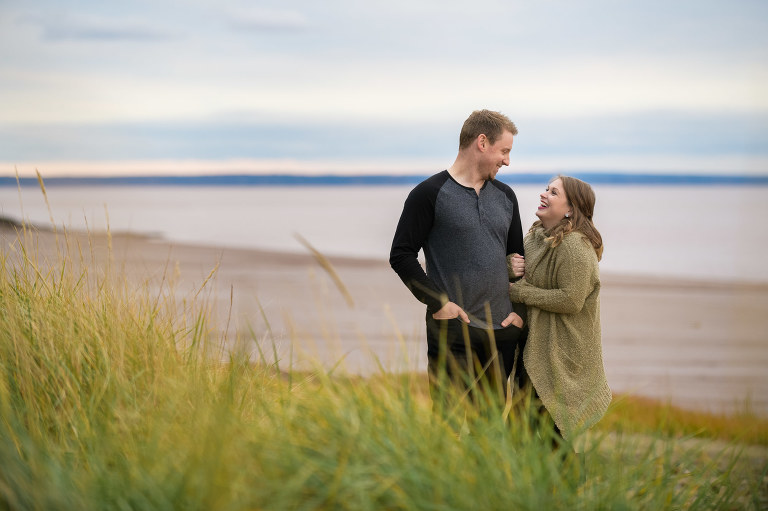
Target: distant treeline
383 180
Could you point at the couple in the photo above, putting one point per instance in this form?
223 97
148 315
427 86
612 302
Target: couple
481 276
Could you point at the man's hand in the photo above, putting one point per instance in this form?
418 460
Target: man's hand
518 265
512 319
450 311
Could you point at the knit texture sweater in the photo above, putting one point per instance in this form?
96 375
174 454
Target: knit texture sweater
563 355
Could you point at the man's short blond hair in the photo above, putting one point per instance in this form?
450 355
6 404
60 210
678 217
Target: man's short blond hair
485 122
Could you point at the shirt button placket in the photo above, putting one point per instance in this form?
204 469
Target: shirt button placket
480 209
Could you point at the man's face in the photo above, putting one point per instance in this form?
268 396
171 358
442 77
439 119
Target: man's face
496 155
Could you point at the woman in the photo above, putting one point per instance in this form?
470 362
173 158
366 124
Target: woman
561 288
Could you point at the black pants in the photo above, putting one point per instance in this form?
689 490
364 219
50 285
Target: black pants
469 358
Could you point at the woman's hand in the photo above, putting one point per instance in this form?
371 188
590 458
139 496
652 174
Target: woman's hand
512 319
517 265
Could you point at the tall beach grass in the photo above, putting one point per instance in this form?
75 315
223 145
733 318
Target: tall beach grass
114 397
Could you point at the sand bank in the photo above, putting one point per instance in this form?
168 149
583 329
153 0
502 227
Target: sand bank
700 345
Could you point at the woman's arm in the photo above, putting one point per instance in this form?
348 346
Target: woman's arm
573 281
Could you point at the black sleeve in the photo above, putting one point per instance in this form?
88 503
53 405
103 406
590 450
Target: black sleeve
515 245
411 234
515 234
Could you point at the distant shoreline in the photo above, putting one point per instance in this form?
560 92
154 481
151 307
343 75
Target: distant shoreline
595 178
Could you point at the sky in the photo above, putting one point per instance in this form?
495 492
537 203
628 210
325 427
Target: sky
212 86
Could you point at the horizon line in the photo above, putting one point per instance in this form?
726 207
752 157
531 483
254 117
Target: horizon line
601 177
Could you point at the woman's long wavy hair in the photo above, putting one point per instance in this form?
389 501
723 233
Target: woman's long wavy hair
581 198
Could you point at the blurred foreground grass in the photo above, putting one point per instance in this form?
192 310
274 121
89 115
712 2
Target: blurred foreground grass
112 397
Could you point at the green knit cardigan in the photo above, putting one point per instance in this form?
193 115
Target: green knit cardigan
563 355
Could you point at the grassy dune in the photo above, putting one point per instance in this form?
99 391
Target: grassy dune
114 397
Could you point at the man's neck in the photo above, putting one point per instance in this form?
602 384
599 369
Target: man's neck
466 174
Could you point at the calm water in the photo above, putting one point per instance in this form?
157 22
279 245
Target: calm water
683 231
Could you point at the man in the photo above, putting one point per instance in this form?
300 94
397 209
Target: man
467 223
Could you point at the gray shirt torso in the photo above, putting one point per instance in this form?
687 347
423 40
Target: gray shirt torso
466 249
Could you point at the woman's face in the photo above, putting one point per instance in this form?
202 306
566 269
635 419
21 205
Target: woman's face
554 205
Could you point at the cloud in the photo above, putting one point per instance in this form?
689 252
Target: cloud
263 20
221 79
80 27
615 137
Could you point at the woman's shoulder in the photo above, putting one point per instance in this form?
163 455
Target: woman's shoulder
577 242
536 232
575 237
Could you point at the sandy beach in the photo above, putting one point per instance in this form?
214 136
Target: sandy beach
699 345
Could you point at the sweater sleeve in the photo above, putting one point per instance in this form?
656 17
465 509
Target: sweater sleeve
572 281
411 234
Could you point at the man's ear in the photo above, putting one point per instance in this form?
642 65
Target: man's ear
482 142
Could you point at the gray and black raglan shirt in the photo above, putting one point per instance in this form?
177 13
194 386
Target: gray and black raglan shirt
466 237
